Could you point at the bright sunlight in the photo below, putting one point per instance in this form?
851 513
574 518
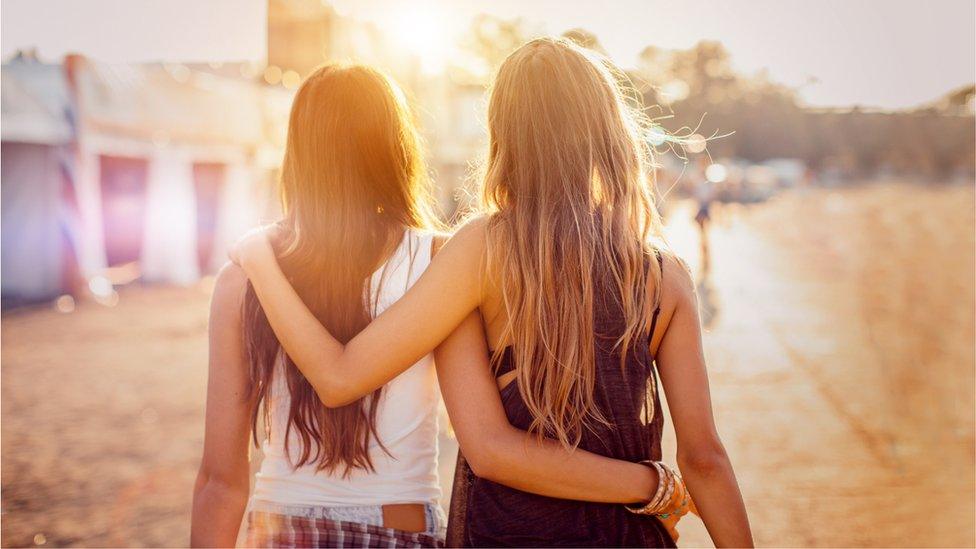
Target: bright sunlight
422 30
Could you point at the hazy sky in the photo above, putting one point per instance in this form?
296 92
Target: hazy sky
884 53
137 30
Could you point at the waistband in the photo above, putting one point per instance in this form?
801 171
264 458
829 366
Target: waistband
363 514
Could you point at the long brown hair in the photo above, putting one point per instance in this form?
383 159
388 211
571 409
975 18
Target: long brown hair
353 178
567 184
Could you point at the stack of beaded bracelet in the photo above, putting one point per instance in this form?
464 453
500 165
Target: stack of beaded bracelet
669 496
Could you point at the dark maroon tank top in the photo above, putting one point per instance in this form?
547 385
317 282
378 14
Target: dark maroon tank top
488 514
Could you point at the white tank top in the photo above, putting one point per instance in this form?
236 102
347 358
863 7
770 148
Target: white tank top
406 421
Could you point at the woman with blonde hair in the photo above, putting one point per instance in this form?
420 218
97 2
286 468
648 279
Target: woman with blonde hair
357 233
579 308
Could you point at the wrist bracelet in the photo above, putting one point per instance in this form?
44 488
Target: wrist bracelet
667 506
661 496
662 481
678 499
665 502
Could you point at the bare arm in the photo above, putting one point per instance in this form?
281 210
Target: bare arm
499 452
448 290
702 459
410 329
221 490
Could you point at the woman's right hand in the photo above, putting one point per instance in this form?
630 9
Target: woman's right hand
254 246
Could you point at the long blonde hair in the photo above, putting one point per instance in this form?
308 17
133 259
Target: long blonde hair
567 184
353 178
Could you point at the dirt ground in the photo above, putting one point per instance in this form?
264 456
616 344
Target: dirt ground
840 348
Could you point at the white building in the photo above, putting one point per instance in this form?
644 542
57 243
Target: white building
146 171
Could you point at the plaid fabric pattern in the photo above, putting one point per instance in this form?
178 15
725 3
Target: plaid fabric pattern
274 530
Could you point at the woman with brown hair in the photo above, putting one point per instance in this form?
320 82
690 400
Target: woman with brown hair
579 306
356 235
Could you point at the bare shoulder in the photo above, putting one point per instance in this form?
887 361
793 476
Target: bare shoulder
470 238
228 366
473 228
678 284
228 292
437 242
471 232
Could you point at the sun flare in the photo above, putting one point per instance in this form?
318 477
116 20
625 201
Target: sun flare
422 31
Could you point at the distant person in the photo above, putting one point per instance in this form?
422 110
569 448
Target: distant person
360 469
704 197
580 308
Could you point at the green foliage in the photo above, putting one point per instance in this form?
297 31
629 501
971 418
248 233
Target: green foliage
697 89
769 120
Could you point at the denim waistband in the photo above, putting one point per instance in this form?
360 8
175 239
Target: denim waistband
364 514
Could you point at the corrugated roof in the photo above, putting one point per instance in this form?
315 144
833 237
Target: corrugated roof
35 103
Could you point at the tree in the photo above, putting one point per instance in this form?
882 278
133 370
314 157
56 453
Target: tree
491 39
585 38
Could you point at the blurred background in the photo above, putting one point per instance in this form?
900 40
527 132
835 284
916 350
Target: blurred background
831 144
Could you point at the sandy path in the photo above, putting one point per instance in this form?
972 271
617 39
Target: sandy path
841 358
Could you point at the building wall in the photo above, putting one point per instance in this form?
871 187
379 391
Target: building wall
299 34
33 247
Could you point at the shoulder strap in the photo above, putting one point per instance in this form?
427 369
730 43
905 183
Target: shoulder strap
419 252
658 297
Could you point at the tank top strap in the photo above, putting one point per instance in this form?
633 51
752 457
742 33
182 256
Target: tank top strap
419 252
400 270
506 362
658 296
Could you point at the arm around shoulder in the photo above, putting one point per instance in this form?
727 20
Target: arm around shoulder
497 451
448 290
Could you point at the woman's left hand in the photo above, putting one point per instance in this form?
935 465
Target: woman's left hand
670 521
680 507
